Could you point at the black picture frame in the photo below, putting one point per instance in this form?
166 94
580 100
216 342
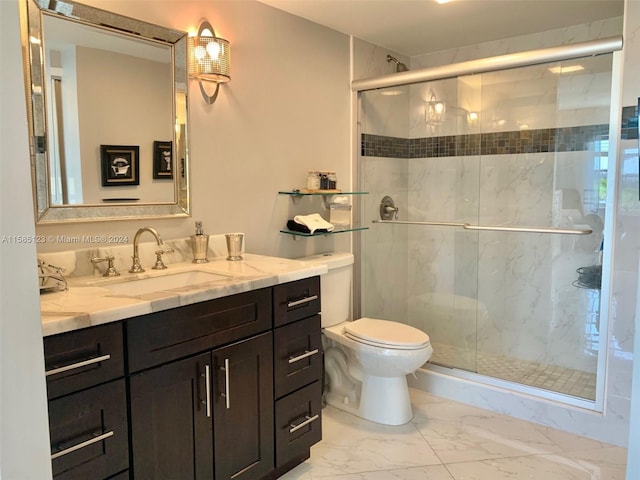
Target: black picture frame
162 160
120 165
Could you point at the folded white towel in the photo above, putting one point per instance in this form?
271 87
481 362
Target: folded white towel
313 222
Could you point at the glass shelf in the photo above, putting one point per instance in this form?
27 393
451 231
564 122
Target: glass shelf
296 195
333 232
304 192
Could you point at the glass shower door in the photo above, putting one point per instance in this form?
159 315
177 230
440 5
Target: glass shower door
543 164
464 158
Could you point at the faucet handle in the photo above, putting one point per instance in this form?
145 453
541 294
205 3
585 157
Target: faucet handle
159 265
110 271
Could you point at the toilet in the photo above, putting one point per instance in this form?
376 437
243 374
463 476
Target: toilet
366 360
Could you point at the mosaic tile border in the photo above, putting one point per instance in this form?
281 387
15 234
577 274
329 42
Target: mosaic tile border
567 139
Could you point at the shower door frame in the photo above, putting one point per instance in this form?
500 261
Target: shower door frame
612 45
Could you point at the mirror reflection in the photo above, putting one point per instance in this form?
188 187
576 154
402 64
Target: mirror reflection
108 115
105 90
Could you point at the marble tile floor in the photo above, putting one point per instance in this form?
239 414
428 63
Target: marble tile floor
447 440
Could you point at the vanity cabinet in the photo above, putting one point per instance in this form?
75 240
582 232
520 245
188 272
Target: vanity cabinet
220 389
202 390
87 403
298 370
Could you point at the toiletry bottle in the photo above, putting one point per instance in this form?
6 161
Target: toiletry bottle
199 244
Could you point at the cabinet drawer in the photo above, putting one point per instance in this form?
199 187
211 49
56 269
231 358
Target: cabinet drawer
89 437
298 423
297 355
83 358
296 300
165 336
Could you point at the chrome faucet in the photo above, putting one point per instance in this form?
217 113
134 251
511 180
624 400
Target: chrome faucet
136 267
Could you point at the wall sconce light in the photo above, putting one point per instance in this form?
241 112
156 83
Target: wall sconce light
434 111
209 59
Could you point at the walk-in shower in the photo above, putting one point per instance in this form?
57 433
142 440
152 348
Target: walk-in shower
493 241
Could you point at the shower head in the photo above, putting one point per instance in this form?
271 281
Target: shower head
400 67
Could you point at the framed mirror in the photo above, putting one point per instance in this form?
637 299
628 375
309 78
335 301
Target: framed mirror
107 112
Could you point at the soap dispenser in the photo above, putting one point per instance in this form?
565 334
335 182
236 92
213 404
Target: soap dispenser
199 244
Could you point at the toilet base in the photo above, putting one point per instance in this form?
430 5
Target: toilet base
383 400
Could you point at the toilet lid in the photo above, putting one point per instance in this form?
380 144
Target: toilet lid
383 333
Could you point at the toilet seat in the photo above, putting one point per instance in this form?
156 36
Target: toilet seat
386 334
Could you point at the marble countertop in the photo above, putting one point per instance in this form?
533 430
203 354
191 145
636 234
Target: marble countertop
93 300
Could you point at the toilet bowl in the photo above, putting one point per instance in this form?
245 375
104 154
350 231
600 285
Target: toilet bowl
366 360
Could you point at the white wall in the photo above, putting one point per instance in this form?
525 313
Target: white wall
285 111
24 436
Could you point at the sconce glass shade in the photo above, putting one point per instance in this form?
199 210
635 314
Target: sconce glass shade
209 59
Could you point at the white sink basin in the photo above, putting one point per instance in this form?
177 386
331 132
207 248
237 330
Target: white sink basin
166 282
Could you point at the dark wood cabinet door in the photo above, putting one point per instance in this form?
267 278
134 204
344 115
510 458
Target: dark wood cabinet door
243 409
171 424
88 429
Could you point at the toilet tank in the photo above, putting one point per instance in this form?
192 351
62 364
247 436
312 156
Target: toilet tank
335 286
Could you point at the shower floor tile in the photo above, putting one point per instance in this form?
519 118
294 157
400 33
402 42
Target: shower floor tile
549 377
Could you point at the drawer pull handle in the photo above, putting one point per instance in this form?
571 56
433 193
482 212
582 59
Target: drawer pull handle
307 421
302 356
73 366
207 386
302 301
226 394
97 439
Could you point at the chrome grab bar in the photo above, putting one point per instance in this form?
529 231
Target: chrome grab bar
307 421
97 439
497 228
302 301
302 356
73 366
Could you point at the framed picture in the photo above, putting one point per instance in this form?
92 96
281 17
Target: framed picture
162 159
120 165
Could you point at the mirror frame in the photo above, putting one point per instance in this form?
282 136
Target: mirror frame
31 14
